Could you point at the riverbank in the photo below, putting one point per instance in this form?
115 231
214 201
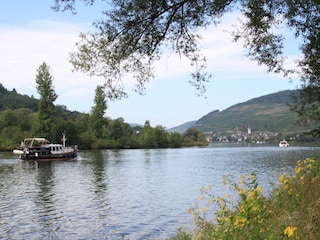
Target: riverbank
291 211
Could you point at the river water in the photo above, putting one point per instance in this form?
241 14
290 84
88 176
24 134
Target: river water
126 194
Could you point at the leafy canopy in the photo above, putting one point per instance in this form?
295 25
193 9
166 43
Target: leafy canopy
97 120
46 105
132 34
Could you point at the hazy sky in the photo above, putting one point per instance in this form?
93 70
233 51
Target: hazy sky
31 32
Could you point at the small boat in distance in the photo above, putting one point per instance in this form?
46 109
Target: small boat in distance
42 149
283 143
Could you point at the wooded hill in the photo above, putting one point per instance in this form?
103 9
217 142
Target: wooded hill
13 100
19 118
269 113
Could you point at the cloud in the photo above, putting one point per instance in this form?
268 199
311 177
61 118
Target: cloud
225 58
24 49
169 96
222 54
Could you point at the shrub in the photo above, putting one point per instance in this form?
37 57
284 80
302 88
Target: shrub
290 212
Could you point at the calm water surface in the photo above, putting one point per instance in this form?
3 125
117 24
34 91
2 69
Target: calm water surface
130 194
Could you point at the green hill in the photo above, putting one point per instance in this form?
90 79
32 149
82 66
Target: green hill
269 113
13 100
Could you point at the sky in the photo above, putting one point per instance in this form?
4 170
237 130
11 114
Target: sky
32 33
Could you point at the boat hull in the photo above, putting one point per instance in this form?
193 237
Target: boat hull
49 157
283 143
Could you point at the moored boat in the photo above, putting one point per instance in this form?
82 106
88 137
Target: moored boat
283 143
41 149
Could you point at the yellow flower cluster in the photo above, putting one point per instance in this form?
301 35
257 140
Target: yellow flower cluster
247 214
241 190
289 231
240 222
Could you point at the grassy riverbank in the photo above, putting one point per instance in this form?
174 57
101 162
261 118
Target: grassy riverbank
291 211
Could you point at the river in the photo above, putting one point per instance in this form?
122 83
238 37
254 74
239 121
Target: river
126 194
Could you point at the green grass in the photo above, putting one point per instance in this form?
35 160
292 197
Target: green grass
291 211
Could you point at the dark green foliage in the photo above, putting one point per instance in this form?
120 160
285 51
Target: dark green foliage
46 105
194 137
175 140
12 100
17 124
306 103
97 122
14 124
118 129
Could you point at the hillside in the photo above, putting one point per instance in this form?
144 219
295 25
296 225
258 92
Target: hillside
269 113
13 100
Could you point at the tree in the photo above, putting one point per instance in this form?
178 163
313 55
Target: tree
161 136
47 97
147 136
175 140
119 129
306 103
97 120
133 34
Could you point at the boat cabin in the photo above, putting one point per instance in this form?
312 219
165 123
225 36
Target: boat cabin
34 142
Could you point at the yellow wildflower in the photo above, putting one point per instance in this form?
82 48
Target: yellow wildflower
259 190
211 200
220 199
203 209
250 194
241 190
201 197
194 213
242 209
289 231
240 222
283 179
242 179
298 170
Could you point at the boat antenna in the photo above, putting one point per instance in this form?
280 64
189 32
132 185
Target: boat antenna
64 139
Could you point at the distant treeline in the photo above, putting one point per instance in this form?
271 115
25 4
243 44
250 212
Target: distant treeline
17 124
19 119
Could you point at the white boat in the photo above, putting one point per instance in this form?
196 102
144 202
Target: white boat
42 149
283 143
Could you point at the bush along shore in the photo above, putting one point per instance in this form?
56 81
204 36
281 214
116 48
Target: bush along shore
290 211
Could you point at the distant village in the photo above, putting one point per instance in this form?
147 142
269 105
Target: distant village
249 136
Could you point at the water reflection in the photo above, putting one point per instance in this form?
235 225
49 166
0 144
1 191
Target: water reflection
134 194
98 164
44 200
